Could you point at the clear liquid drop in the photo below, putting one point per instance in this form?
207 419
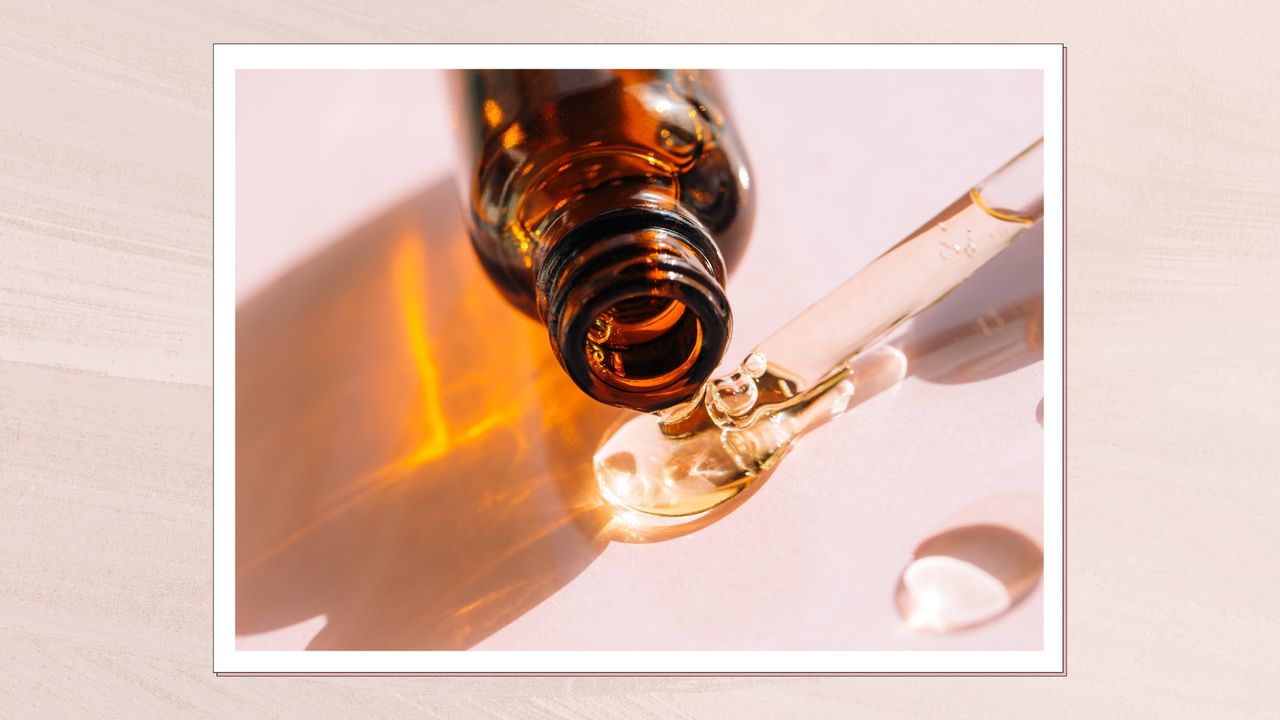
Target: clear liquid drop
967 576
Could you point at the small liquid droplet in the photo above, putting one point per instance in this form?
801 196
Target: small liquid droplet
967 576
733 396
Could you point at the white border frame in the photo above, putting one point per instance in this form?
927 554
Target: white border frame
227 59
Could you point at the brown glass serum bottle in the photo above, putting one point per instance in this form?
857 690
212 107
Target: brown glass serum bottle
610 205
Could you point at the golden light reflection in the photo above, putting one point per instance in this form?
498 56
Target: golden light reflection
408 268
411 460
492 112
490 598
512 136
428 424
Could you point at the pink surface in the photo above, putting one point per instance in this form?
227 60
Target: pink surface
379 528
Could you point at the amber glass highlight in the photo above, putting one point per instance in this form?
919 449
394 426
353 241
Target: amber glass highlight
610 205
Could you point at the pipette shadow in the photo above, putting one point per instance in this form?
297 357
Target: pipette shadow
412 463
989 326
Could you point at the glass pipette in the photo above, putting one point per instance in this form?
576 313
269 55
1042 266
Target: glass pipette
699 454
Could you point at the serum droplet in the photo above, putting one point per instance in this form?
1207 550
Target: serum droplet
733 395
967 576
755 364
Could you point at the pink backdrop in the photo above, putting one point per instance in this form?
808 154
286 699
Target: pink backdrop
415 472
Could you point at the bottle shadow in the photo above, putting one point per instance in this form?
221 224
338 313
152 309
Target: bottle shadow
411 461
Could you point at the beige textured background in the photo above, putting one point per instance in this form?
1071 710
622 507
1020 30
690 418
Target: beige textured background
105 299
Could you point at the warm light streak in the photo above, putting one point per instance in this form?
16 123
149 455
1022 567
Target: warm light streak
409 290
408 268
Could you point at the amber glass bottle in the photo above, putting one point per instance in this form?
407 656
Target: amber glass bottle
610 205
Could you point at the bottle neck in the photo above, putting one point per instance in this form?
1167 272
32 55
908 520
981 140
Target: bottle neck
635 307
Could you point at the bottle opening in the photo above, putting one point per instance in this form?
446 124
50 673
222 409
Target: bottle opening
635 309
643 343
